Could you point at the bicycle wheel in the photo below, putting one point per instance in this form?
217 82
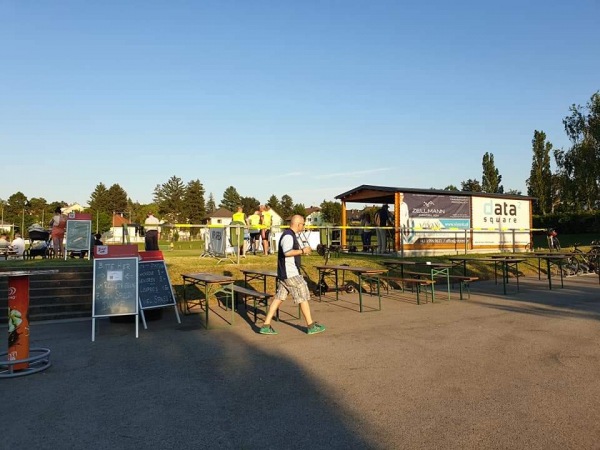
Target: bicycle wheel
592 260
573 265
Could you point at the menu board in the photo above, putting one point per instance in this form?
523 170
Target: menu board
115 291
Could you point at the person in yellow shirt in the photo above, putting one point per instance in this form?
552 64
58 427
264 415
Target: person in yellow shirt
254 223
265 232
237 234
239 216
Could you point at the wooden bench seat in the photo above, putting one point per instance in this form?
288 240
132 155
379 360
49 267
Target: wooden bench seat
249 293
414 282
463 281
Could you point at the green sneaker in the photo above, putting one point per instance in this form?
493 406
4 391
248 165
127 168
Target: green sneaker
315 328
267 329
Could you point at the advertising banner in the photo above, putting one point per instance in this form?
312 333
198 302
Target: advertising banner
18 320
433 219
500 221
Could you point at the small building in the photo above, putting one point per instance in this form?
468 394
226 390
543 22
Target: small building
75 207
122 231
314 217
220 216
429 221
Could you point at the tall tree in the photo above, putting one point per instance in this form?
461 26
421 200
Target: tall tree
250 204
539 183
451 187
470 186
490 181
579 167
513 192
273 202
300 209
39 211
231 199
193 203
169 199
286 206
99 199
331 212
117 198
210 204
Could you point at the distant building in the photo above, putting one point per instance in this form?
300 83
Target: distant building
75 207
313 216
122 230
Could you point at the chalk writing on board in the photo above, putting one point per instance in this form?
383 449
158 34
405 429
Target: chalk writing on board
79 234
154 285
115 286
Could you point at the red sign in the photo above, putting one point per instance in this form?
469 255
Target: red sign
115 251
18 320
152 255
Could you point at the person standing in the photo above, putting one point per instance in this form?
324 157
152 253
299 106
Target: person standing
290 280
382 219
237 232
151 232
254 224
58 223
404 216
265 232
365 222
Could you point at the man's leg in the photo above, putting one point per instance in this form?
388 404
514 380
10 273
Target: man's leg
272 310
305 309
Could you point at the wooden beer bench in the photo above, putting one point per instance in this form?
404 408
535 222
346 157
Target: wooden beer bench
414 282
248 293
464 281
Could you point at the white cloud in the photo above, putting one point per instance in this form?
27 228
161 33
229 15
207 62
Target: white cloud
354 174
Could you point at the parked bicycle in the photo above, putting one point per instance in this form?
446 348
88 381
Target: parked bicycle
583 262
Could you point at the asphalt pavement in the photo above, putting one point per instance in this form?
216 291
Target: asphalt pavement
517 371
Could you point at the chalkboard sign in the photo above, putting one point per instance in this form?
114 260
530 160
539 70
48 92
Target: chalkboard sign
115 290
79 235
154 285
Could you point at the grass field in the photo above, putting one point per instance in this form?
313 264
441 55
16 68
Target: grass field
185 257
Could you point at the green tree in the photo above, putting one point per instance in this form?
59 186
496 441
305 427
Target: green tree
539 183
331 212
99 200
451 187
210 204
300 209
117 198
194 208
168 197
250 204
274 203
470 186
490 181
39 211
231 199
286 206
18 211
579 167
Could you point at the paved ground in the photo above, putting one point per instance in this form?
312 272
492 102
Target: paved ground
517 371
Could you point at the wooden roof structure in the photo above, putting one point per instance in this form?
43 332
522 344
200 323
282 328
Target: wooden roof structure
385 194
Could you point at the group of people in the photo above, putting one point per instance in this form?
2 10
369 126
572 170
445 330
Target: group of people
381 220
17 245
259 228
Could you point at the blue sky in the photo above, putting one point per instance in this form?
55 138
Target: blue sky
309 99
